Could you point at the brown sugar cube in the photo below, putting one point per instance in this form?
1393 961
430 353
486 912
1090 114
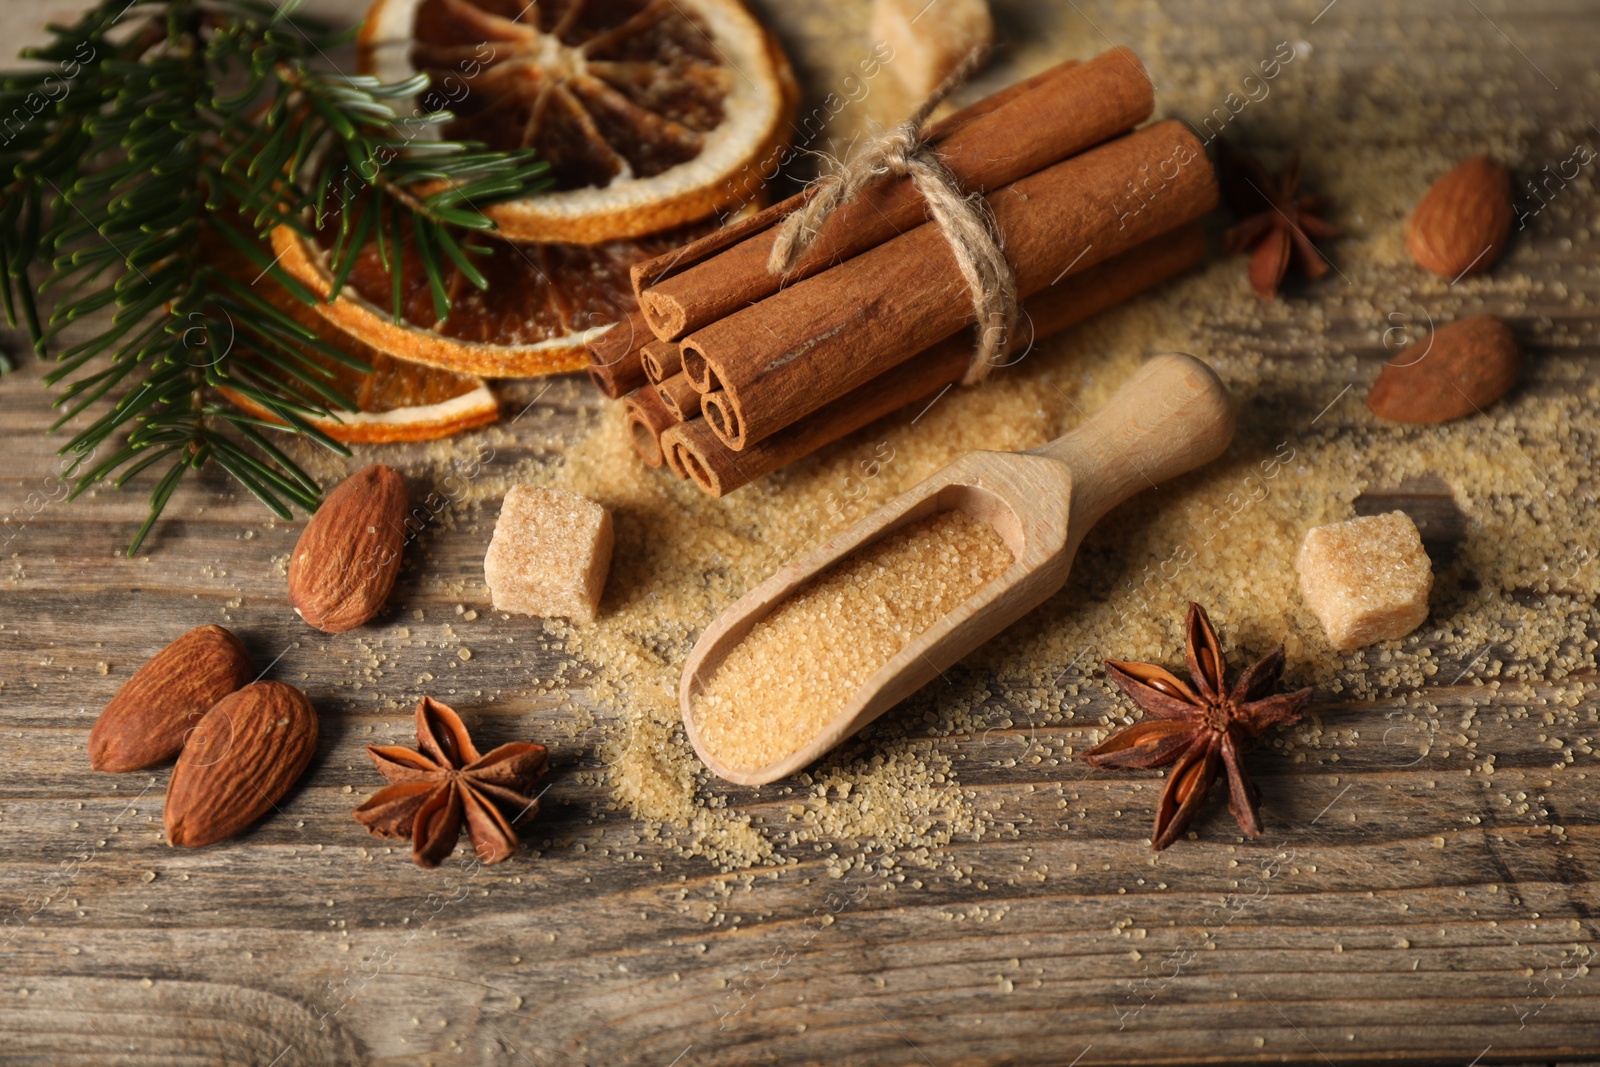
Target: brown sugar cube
930 40
1367 579
549 555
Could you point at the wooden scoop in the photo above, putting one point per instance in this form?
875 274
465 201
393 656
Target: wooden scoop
1172 416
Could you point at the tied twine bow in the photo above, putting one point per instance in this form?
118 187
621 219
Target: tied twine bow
965 220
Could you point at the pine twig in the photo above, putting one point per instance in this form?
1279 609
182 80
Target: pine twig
122 157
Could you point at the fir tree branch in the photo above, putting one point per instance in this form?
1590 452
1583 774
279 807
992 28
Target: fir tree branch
150 130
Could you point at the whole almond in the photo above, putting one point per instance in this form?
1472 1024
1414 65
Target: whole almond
1461 223
148 719
1458 369
348 555
241 759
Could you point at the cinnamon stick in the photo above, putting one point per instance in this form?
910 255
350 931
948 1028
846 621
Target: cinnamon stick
661 360
674 457
719 470
1050 117
649 272
647 418
615 365
679 397
768 365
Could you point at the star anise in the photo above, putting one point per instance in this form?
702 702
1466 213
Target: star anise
447 783
1201 729
1277 223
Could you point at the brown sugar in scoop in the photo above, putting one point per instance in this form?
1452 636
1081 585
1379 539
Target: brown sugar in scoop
787 679
848 630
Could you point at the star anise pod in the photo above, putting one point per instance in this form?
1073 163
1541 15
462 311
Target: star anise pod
1201 729
1277 223
446 784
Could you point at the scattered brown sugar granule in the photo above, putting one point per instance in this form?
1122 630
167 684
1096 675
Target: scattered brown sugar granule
550 554
1367 579
795 671
1522 577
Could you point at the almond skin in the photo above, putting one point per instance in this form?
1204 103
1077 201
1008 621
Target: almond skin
1461 368
242 758
1461 223
148 719
346 560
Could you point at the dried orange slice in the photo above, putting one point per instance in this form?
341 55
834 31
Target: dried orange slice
651 113
396 400
543 302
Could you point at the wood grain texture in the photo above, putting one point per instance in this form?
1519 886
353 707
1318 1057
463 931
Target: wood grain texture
1382 919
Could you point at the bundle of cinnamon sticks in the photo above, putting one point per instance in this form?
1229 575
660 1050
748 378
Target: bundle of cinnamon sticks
729 371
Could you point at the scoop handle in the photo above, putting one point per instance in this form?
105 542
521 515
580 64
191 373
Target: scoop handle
1172 416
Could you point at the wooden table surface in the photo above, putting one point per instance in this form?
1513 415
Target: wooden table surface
1344 936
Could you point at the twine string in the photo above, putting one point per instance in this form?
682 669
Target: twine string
965 220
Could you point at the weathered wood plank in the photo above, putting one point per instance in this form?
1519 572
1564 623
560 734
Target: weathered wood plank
1402 906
